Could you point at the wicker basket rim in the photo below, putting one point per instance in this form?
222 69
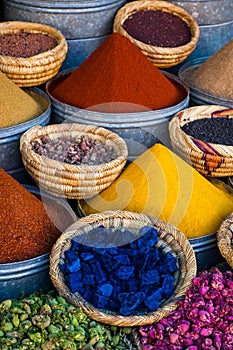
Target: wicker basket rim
131 218
225 239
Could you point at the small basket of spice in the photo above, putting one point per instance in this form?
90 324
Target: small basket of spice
166 33
122 268
73 160
225 239
202 135
31 53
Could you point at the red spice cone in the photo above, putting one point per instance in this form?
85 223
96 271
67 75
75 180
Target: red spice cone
117 71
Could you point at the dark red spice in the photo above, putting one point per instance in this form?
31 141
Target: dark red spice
26 230
117 71
25 44
157 28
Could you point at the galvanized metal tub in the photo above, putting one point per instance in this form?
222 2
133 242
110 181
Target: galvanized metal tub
212 38
75 19
198 97
33 274
139 130
208 11
10 156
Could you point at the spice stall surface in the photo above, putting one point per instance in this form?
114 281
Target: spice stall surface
157 182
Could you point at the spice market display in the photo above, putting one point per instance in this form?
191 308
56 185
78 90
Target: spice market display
78 269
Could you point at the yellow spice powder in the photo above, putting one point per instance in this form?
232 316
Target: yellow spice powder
161 184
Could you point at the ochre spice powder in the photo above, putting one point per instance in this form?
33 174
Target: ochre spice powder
17 105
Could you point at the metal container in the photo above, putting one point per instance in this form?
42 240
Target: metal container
206 251
198 97
75 19
32 275
10 156
139 130
212 38
208 11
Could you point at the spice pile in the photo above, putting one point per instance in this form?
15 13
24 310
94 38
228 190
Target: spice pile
169 188
17 105
74 151
46 321
25 44
215 75
25 228
130 278
118 77
203 320
157 28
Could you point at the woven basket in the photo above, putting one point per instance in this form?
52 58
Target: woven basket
170 238
162 57
209 159
38 69
67 180
225 239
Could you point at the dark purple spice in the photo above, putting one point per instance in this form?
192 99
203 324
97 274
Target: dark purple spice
212 130
74 151
157 28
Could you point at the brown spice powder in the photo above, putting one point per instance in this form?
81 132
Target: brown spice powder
215 75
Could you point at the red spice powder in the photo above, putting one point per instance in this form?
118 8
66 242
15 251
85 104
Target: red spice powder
117 71
26 230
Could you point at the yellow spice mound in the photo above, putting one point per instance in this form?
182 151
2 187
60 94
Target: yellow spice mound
16 105
161 184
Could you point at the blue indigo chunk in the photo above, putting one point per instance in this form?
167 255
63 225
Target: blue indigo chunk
125 272
168 285
100 274
130 302
150 277
75 281
152 300
105 289
73 262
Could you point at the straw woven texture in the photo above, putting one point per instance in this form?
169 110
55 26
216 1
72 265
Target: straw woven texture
67 180
225 239
209 159
38 69
170 238
162 57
